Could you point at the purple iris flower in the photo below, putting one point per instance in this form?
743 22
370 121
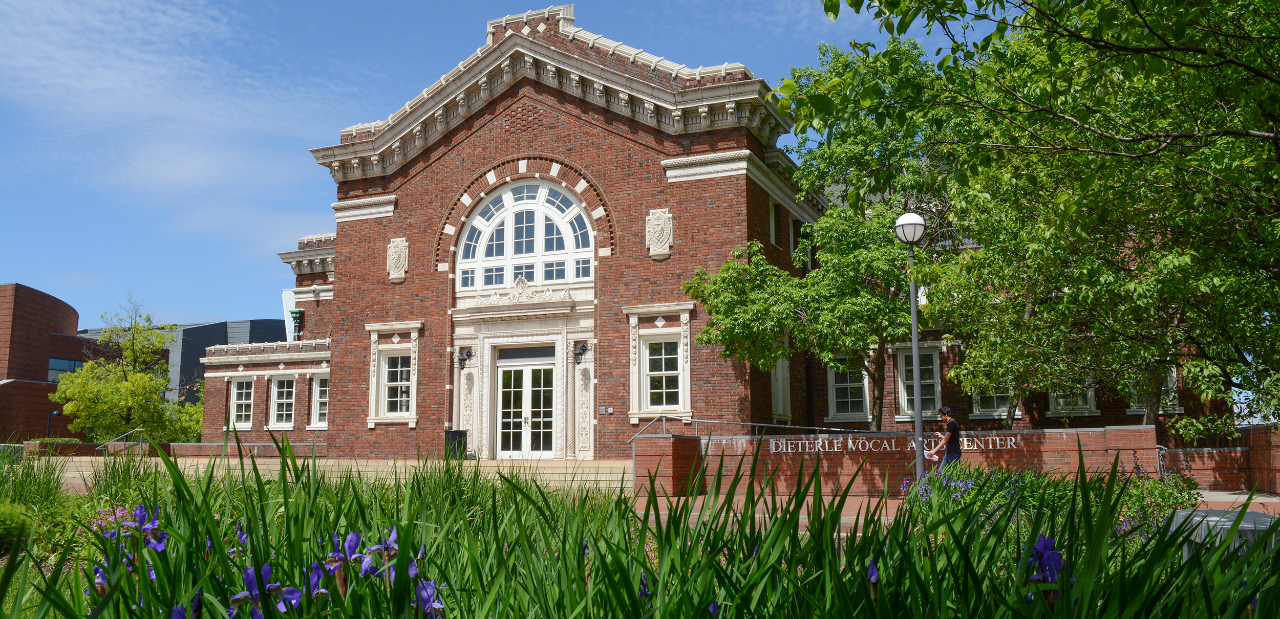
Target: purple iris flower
873 573
343 552
288 596
317 573
152 533
367 568
139 516
644 584
1047 561
714 608
428 598
178 613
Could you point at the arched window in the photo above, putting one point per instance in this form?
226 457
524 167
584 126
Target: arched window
533 230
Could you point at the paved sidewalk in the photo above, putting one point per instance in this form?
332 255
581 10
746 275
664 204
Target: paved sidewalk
1218 499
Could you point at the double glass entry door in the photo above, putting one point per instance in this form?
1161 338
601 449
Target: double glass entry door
526 398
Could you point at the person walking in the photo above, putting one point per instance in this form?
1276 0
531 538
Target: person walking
950 441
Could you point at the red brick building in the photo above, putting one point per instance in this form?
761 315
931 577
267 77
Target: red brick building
508 261
38 343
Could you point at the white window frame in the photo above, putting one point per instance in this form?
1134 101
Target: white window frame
378 353
671 337
992 413
640 339
543 210
773 223
273 400
832 416
385 354
242 426
314 382
780 387
1090 409
1137 403
904 408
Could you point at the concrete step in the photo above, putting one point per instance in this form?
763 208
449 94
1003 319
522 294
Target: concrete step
603 474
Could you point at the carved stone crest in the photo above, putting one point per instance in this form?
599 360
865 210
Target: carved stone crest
397 259
658 233
523 293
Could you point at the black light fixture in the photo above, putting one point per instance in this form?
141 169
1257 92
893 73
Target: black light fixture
580 351
48 426
464 358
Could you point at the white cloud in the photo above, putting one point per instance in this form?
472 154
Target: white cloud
147 89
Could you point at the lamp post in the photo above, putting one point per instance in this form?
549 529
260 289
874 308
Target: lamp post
48 426
910 230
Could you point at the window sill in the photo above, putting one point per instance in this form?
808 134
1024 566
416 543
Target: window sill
929 417
848 419
240 427
317 427
1143 411
278 428
993 415
638 416
374 421
1075 413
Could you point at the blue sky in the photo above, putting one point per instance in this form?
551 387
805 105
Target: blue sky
159 148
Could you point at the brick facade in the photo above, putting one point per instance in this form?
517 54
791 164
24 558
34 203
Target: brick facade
623 133
34 327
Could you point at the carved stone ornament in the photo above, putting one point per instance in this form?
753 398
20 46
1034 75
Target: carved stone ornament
658 233
524 294
397 259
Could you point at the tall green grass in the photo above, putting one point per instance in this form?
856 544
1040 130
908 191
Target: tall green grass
31 481
511 548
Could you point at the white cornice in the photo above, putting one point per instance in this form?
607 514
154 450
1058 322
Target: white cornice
744 162
312 293
388 327
367 208
266 358
495 68
658 309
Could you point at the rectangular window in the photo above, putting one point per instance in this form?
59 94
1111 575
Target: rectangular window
320 409
553 271
282 402
582 268
1168 397
493 276
1074 402
773 223
396 372
928 383
523 270
780 379
58 367
993 402
495 247
552 239
468 277
242 403
662 374
523 232
848 394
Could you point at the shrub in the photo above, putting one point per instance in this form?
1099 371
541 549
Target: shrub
15 524
55 439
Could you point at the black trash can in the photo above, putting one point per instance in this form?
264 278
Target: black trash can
455 444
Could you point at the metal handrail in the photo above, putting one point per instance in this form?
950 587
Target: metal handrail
695 423
140 432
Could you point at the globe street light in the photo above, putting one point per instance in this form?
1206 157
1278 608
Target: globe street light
910 230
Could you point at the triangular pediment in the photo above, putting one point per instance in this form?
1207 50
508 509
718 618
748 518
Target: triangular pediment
544 46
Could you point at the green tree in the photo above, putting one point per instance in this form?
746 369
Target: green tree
855 303
125 390
1137 143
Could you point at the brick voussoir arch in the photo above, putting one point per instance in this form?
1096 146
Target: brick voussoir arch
572 178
